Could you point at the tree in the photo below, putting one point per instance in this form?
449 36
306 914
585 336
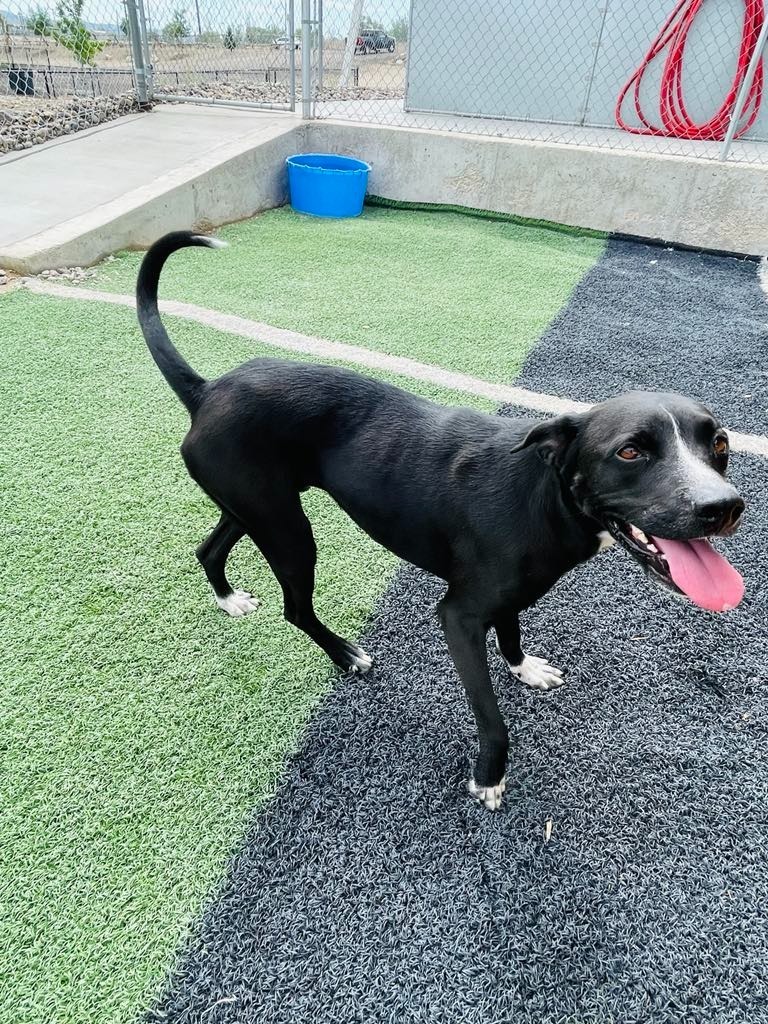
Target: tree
230 38
177 27
371 25
399 30
70 32
40 22
124 27
259 34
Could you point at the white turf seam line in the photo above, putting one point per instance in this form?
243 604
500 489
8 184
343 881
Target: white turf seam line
755 444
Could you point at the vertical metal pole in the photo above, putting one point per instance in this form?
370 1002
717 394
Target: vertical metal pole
147 56
306 60
319 45
746 85
292 54
137 51
349 49
197 15
314 35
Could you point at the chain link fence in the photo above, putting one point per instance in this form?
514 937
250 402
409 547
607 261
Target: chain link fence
652 76
67 65
62 68
655 76
235 51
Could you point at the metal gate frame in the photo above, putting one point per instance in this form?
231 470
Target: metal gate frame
143 66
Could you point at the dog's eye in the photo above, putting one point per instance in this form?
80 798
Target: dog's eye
629 453
720 447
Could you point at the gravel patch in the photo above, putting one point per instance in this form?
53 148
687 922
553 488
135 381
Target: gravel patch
275 93
32 122
75 274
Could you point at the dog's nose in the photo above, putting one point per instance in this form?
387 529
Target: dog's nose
722 515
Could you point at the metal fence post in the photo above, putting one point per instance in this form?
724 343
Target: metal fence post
350 47
320 46
292 54
147 55
746 85
306 59
137 52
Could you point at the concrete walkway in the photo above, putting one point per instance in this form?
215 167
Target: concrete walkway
80 197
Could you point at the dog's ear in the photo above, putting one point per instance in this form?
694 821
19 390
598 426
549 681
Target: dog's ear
552 438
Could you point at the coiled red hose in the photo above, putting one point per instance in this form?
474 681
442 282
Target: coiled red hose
676 122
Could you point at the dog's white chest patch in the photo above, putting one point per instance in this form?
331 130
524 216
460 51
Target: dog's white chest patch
606 540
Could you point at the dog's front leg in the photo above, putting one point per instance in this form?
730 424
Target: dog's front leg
534 672
465 633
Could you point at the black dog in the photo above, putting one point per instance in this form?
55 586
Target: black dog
499 508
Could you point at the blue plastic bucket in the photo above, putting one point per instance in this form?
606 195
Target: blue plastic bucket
326 185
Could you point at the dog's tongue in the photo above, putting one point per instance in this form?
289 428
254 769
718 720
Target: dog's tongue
703 575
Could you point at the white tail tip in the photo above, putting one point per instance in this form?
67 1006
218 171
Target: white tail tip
212 243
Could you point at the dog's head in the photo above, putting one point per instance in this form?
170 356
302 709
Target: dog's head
651 469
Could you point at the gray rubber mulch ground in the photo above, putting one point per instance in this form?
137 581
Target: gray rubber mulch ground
648 317
373 890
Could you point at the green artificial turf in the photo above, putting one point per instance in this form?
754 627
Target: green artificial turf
468 294
139 726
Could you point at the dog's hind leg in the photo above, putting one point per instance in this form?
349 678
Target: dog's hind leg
212 555
285 539
534 672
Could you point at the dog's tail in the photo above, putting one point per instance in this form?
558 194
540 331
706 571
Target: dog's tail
187 384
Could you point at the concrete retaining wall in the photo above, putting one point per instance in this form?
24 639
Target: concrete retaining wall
693 202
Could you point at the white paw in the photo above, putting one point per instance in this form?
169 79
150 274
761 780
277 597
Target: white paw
537 673
361 662
488 796
238 603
